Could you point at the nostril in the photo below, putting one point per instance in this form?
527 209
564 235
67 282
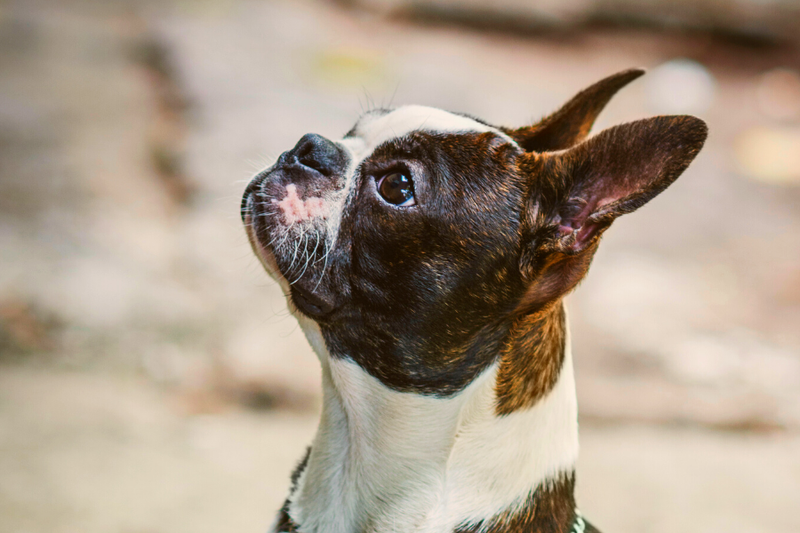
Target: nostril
318 153
310 162
304 148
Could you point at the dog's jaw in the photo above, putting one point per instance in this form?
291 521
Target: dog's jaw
386 461
262 253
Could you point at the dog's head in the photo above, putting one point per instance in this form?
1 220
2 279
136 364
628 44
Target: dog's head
417 239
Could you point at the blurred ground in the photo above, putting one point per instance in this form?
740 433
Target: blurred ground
150 380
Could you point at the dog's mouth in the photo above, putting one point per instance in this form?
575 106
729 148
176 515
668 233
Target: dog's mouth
254 228
292 249
312 304
290 211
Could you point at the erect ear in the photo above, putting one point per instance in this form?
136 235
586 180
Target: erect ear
571 124
576 194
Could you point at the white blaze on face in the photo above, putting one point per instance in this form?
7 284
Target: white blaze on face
374 130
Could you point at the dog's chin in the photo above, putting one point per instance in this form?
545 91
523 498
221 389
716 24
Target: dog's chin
299 299
264 255
311 304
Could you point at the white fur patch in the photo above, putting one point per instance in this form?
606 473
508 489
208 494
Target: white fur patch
385 461
496 461
374 130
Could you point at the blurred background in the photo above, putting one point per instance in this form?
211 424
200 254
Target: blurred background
151 380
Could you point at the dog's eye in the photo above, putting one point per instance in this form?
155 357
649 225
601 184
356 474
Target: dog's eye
397 188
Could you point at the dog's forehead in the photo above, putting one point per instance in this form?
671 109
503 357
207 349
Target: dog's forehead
380 126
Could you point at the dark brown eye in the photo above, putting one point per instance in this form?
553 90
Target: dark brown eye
397 188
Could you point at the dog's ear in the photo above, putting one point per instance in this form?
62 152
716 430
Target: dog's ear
576 194
571 124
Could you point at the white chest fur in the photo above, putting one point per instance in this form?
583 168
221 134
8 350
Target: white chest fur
386 461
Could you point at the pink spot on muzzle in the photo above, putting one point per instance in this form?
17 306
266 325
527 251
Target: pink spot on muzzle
295 209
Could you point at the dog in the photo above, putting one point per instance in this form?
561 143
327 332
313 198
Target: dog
426 256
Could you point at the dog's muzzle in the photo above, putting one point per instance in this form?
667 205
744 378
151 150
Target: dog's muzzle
308 166
286 208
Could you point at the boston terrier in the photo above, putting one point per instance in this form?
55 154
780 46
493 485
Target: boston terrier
426 256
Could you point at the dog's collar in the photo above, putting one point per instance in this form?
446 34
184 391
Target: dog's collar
579 524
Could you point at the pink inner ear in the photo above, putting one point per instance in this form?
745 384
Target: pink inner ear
574 216
295 209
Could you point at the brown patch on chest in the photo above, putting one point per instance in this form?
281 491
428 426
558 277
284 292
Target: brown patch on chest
550 509
531 360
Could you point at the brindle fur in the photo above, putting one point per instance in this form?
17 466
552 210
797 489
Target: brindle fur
531 359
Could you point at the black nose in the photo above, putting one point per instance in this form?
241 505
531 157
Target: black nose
318 153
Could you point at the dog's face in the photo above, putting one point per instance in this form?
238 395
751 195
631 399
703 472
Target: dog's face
416 240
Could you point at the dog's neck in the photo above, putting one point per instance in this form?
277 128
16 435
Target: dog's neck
386 461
